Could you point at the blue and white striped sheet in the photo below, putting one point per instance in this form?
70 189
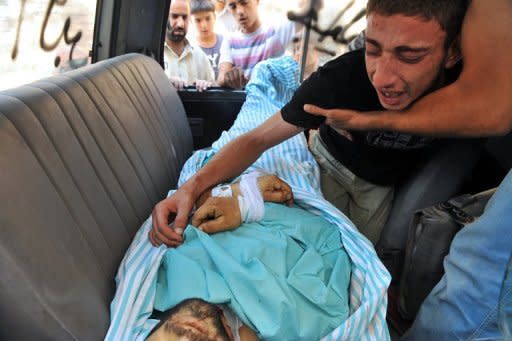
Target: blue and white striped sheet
272 85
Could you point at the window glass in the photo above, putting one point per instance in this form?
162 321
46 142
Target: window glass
340 20
41 38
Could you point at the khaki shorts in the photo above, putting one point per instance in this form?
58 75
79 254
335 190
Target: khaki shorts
366 204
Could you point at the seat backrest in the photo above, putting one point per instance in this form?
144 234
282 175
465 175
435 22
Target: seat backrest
84 156
436 180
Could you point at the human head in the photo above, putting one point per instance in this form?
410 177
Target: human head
177 25
449 14
219 5
245 13
194 320
409 44
203 16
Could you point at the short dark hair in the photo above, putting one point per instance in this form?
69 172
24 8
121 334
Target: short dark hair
449 13
197 6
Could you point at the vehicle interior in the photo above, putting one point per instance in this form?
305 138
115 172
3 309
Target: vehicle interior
86 154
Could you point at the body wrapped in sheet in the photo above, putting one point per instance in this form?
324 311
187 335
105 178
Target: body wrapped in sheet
286 276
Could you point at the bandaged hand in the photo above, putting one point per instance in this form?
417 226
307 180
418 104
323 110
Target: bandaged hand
225 207
271 187
218 214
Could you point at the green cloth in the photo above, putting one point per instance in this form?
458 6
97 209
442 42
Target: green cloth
286 276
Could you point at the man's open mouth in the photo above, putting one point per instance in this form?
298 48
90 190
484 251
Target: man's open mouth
391 94
391 98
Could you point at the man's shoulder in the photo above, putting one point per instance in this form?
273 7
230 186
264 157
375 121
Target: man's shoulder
348 67
241 41
346 78
169 53
266 30
349 59
234 37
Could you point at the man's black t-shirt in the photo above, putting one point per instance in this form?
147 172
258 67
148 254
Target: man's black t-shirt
378 157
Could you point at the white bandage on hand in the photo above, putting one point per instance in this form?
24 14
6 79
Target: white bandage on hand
251 201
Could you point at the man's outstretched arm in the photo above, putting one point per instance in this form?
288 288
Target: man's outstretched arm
228 163
479 103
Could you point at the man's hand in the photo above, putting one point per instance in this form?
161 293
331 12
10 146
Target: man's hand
202 85
179 204
340 119
235 78
218 214
178 83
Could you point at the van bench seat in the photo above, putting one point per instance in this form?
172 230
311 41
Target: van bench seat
84 156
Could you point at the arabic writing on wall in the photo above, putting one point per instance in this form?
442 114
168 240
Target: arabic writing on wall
48 46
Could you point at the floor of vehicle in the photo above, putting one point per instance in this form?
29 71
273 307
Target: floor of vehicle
397 325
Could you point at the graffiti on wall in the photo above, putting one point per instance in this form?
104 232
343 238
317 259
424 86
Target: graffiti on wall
69 39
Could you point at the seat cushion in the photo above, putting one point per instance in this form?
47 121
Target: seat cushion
84 156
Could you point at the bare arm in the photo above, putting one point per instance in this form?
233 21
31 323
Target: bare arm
479 103
231 161
243 151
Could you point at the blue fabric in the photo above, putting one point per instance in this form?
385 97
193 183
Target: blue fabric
272 84
505 304
464 304
286 276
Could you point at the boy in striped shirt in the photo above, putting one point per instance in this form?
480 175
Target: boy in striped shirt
254 42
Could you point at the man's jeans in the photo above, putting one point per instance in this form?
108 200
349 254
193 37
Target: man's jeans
464 304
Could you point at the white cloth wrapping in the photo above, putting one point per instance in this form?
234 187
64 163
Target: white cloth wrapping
222 191
250 201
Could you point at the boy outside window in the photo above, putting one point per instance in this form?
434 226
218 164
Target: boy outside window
203 16
242 50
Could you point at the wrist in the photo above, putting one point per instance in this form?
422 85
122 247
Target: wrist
194 186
